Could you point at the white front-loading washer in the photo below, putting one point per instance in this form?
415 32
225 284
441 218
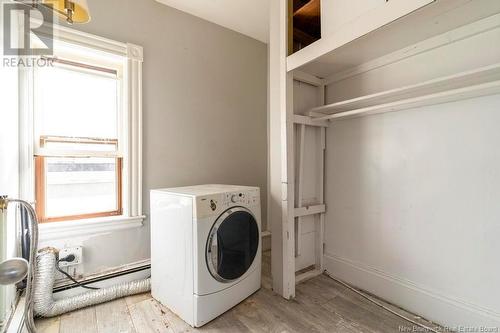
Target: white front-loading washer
205 249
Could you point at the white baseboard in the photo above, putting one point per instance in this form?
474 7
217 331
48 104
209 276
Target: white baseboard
266 240
441 309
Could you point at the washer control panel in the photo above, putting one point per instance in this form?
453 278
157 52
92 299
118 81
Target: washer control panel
241 198
217 203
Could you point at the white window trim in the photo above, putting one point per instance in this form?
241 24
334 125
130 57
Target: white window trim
59 230
132 125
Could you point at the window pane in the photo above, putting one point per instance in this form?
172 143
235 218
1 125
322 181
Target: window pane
76 186
73 102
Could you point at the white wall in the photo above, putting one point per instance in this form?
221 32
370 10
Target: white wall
412 196
336 13
204 111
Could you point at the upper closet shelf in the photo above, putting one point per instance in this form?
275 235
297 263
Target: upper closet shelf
479 82
367 38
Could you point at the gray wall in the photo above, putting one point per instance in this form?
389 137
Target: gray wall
204 109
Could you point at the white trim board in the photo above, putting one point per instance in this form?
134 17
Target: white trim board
265 233
95 226
445 310
280 143
309 121
308 78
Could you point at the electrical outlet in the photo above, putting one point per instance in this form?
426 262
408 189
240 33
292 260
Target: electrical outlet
76 251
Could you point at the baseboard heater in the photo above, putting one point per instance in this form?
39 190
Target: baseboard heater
103 277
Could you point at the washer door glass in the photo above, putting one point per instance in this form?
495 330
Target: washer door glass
232 244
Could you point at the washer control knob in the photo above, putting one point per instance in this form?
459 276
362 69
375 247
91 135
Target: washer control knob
234 198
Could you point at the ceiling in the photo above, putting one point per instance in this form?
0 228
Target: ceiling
249 17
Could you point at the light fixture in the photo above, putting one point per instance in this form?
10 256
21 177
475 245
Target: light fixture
73 11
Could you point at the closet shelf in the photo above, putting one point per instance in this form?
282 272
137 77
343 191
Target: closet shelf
367 38
475 83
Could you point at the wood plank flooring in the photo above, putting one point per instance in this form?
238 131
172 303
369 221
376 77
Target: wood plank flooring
321 305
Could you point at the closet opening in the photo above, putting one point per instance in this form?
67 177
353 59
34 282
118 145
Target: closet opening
304 23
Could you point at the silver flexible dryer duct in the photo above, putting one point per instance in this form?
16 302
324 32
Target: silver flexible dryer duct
46 306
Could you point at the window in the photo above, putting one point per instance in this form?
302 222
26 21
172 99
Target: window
75 187
78 163
82 130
